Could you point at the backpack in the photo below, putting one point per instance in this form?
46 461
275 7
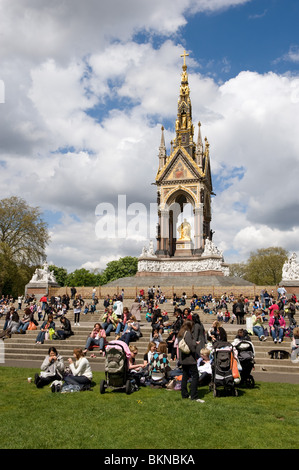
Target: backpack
71 388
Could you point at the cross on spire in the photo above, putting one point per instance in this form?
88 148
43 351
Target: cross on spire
184 55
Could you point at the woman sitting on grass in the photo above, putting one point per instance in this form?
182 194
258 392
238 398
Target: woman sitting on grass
159 366
204 367
81 373
52 369
151 349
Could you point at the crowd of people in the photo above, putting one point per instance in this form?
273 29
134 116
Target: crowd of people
165 336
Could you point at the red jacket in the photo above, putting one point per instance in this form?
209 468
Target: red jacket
282 323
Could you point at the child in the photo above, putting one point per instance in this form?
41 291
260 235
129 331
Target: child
149 317
233 318
226 316
204 367
156 337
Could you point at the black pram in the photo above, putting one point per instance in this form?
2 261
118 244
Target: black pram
116 369
246 358
222 376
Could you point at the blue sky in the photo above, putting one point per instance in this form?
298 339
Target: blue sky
252 36
88 86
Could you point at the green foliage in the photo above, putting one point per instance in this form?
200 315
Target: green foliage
265 417
23 240
264 267
60 274
237 270
124 267
82 277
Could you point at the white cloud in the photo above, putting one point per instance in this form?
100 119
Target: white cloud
291 56
83 114
257 132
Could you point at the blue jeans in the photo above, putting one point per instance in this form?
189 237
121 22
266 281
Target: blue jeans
76 380
98 342
23 327
258 330
277 332
121 327
108 327
129 336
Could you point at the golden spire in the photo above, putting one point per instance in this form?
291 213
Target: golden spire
184 127
184 55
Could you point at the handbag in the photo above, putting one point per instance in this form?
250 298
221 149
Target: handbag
51 333
32 326
235 369
183 346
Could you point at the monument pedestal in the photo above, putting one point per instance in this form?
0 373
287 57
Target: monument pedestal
41 281
183 248
39 288
209 263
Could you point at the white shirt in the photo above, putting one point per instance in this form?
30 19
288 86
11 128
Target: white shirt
81 367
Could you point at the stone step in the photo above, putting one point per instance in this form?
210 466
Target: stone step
22 350
80 339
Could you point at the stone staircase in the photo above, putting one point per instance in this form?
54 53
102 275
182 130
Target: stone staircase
22 351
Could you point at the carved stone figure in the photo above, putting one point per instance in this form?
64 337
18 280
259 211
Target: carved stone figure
211 249
148 252
213 264
44 275
290 269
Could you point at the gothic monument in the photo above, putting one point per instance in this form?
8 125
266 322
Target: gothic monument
184 181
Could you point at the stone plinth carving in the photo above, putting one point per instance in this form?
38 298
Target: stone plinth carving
41 280
43 275
148 252
183 266
290 269
211 260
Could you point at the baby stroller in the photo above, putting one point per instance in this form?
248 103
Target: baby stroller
246 358
222 375
116 369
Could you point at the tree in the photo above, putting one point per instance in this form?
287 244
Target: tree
23 240
83 277
59 273
123 267
264 267
237 270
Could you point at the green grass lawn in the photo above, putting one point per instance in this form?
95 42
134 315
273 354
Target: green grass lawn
265 417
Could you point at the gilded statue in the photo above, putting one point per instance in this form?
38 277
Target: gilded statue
185 231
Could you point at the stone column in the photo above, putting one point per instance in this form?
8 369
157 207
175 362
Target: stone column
198 229
164 233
